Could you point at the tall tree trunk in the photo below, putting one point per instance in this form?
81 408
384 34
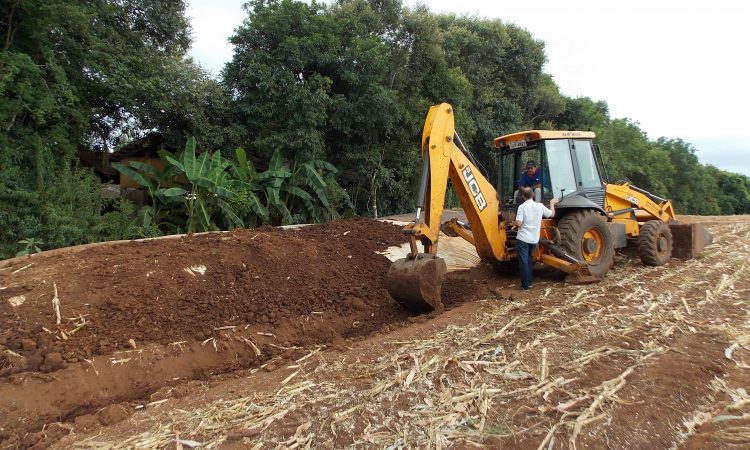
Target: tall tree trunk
374 194
11 32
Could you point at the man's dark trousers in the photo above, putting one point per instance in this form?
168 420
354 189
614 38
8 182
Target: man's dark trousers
525 262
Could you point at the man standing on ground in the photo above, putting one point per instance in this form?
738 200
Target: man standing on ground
529 224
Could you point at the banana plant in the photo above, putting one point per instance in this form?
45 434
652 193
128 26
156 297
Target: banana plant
307 186
298 192
151 178
249 189
282 194
272 181
212 190
219 193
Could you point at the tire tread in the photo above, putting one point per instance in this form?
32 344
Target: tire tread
647 246
571 230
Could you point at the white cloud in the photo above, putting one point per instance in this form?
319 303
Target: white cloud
214 21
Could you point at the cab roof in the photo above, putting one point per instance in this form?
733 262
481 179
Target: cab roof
538 135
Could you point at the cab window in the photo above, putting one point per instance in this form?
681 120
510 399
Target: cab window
507 182
586 164
560 167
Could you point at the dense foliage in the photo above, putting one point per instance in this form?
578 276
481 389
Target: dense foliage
319 95
194 193
92 74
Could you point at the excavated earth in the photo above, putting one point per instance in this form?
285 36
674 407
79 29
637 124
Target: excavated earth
286 338
164 291
136 316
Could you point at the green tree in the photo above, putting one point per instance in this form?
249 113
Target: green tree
583 114
65 213
349 83
630 156
691 187
733 192
281 96
81 74
503 64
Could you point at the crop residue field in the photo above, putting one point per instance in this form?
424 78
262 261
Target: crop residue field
287 338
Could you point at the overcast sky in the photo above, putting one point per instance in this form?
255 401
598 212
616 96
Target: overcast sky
678 67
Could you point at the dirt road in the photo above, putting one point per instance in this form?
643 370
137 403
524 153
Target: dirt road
649 358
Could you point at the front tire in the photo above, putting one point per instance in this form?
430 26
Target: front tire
655 243
585 235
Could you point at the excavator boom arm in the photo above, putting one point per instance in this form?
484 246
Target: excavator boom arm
415 281
444 160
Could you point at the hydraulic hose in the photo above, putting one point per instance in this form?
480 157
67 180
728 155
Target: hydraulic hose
423 183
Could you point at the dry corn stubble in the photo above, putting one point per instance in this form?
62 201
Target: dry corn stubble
560 369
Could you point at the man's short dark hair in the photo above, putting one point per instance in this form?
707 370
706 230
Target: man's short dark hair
527 193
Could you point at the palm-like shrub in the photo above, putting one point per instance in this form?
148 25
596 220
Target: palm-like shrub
219 193
150 218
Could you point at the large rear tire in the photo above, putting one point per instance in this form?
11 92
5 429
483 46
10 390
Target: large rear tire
655 243
585 235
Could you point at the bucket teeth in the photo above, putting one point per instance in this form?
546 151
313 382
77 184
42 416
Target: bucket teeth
415 283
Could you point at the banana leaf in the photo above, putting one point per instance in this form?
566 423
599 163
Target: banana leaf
229 213
145 168
276 162
173 192
257 206
136 176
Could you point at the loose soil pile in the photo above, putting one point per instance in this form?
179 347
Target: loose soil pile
172 290
138 316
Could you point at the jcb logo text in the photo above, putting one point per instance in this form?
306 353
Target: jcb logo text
474 188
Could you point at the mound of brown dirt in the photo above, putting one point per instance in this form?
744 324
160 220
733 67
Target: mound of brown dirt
138 317
184 289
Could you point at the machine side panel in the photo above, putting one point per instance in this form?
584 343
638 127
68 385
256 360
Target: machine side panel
479 201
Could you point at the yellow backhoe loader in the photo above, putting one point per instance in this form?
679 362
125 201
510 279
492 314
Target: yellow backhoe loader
592 219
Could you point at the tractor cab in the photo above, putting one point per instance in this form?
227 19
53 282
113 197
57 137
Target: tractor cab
562 164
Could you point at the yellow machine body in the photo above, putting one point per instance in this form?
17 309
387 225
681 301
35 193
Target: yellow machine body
415 281
580 240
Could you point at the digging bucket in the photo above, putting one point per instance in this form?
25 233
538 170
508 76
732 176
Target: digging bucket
688 239
415 282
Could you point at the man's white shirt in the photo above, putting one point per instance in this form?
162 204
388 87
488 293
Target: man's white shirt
530 213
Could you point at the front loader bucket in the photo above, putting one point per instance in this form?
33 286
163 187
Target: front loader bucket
415 282
689 239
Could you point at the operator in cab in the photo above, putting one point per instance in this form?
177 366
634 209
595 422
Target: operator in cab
531 178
